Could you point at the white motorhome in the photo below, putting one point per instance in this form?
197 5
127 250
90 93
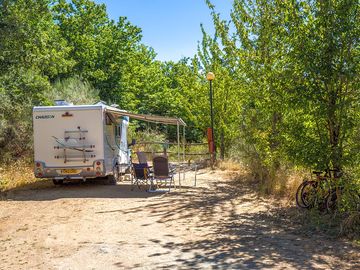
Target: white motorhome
80 142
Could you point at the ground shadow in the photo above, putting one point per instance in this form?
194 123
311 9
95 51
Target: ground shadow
47 191
250 240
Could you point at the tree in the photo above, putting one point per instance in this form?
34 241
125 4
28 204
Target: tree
226 90
32 52
326 54
108 54
295 65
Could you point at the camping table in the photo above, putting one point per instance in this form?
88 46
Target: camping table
182 166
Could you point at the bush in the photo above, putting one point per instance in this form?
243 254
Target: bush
74 89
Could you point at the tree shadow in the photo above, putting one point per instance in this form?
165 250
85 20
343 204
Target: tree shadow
255 241
251 239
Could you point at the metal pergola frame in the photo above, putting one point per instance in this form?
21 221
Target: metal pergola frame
154 119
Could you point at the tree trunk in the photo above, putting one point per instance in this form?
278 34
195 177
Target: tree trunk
222 144
334 134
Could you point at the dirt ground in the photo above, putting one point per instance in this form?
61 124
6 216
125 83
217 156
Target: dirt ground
220 224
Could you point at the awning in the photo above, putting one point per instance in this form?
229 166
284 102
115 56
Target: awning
147 117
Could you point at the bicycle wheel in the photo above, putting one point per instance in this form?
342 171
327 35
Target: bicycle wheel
309 194
299 201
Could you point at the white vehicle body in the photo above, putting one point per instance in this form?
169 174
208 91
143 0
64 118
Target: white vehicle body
79 141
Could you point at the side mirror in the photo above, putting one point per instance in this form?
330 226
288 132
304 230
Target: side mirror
133 142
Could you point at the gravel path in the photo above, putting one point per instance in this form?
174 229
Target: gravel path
220 224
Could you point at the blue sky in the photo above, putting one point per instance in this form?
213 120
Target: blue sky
171 27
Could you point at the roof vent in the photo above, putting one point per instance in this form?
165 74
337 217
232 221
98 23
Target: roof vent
101 102
61 102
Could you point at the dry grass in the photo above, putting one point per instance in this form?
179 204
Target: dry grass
16 175
350 227
230 165
283 185
293 180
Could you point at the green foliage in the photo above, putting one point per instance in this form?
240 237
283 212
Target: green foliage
108 54
30 39
15 127
19 91
144 137
74 90
67 49
31 52
294 67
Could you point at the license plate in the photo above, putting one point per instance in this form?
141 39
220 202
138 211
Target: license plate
70 171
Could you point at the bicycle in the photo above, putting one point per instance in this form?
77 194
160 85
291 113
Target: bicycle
318 192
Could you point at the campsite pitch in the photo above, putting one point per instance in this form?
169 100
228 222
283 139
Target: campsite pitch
220 224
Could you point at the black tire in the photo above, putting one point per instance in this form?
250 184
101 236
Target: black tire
331 201
114 177
58 182
309 194
110 180
116 173
298 198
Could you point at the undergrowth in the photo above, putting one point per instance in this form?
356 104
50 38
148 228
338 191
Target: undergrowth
345 225
345 222
283 184
16 174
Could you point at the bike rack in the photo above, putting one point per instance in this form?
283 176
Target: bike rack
74 143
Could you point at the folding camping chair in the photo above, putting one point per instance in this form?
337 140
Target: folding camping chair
143 160
141 175
142 157
162 174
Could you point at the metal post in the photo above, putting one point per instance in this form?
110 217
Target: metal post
212 122
178 142
184 141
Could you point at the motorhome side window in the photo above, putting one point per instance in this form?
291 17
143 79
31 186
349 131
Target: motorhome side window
118 131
